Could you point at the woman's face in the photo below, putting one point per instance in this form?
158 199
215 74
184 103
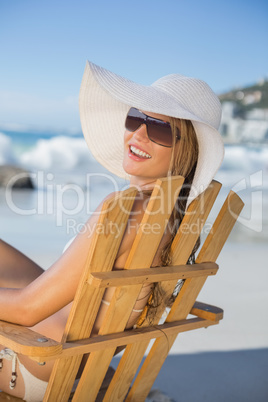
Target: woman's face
145 160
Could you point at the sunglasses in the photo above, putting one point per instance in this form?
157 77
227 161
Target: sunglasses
158 131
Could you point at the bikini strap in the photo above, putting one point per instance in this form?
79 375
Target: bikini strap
9 354
108 304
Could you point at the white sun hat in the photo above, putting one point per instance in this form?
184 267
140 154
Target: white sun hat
105 99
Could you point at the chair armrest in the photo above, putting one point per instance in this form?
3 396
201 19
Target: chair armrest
27 342
207 311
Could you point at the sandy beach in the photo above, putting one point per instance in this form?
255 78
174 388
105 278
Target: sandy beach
228 361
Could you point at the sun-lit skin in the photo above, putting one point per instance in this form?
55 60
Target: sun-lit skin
145 171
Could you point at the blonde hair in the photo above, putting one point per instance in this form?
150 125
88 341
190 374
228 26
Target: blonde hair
183 162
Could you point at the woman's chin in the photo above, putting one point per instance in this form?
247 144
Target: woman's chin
129 169
132 172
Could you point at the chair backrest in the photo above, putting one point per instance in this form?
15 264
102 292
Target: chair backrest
97 276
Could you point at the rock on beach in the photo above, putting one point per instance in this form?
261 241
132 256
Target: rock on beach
15 177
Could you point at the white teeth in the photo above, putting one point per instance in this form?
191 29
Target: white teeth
139 152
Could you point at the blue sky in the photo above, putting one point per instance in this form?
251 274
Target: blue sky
44 46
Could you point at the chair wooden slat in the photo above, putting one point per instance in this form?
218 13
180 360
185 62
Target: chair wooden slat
149 275
221 228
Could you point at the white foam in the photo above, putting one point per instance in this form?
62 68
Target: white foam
241 162
6 152
245 158
57 154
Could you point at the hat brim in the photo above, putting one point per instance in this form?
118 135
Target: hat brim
104 101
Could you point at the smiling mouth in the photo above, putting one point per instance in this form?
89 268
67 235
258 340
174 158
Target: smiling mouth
137 152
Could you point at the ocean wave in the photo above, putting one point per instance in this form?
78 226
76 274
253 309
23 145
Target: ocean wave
58 153
245 158
7 156
70 156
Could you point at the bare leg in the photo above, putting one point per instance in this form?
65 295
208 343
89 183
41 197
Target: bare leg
16 270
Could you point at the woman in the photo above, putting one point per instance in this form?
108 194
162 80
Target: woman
170 129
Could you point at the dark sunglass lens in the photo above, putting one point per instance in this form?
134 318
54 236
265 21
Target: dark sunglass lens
134 119
160 132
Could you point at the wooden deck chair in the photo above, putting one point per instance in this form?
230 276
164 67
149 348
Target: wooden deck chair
98 275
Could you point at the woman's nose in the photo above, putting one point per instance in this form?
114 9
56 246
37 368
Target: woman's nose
141 133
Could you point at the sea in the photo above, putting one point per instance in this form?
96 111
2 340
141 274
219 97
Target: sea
70 183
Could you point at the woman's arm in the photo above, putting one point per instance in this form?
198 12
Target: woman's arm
16 269
54 288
